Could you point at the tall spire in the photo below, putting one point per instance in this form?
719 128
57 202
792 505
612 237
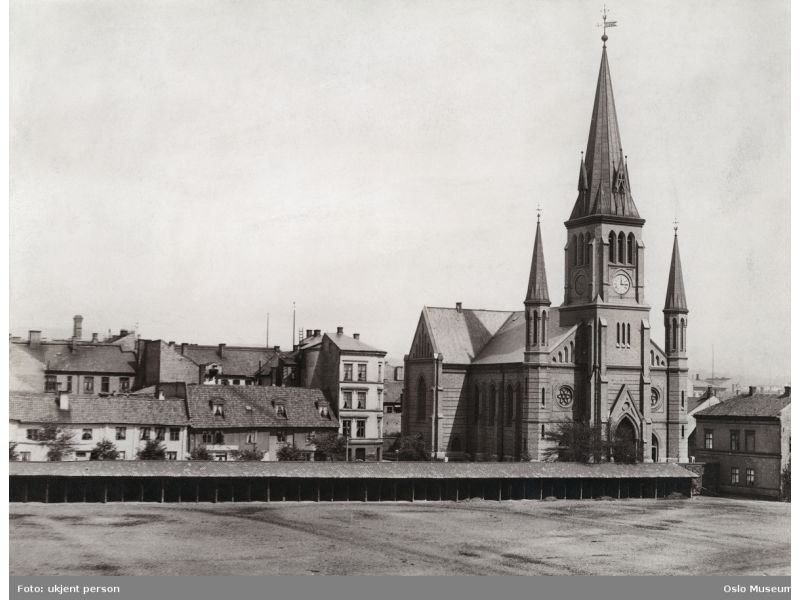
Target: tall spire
608 190
537 283
676 294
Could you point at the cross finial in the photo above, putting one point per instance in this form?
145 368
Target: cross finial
606 24
675 225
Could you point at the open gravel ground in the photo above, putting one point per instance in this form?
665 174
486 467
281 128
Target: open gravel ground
703 536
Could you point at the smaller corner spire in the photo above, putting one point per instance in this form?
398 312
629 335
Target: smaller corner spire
676 293
537 283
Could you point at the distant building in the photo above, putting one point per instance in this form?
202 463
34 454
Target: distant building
128 422
749 437
350 373
392 398
227 419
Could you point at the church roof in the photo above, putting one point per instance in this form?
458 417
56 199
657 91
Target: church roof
676 294
603 186
508 344
460 334
537 283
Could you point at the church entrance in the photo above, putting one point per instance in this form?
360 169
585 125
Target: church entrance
626 445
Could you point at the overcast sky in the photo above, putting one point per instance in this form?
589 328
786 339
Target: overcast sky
194 166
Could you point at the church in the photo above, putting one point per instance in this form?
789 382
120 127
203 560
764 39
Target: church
488 385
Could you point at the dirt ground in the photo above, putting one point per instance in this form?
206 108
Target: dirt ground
704 536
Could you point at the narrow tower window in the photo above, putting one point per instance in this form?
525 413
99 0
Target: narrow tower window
535 329
628 329
544 327
618 336
683 335
612 244
674 334
621 247
631 248
542 397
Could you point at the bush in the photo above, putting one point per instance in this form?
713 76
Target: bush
254 454
12 451
329 446
59 442
786 482
105 450
289 453
153 450
410 448
200 453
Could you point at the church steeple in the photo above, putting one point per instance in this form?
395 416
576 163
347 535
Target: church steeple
607 189
537 282
676 294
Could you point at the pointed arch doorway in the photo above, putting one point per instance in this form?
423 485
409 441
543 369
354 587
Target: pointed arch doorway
626 442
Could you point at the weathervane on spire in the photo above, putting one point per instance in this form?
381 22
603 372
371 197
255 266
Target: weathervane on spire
606 24
675 225
538 212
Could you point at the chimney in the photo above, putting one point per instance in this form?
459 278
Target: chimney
340 331
752 390
356 336
317 332
787 391
123 332
309 333
77 327
276 348
697 376
34 338
221 350
458 306
183 348
95 338
63 401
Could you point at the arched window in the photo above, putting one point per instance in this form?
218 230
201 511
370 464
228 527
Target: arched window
683 400
572 351
421 398
628 329
683 334
621 247
510 404
560 357
674 334
631 248
542 429
544 328
573 250
542 396
652 358
612 247
492 404
535 329
618 336
580 250
477 407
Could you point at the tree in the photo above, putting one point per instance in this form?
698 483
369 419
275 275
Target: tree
410 448
60 442
287 453
105 450
153 450
786 482
200 453
329 446
574 441
12 451
248 454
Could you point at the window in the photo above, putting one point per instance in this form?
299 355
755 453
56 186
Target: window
631 246
225 382
683 400
172 456
281 435
347 399
121 455
69 383
380 371
542 397
750 475
280 411
32 434
174 434
734 475
362 400
361 453
251 437
235 382
361 427
421 399
88 385
388 409
160 432
105 384
219 438
708 436
208 437
124 384
87 434
621 247
80 455
25 456
750 441
362 372
144 433
122 433
50 383
218 410
683 431
612 243
221 457
734 440
347 428
348 372
565 396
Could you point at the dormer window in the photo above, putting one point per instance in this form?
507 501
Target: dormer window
218 409
280 411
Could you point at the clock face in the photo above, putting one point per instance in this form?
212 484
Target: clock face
621 284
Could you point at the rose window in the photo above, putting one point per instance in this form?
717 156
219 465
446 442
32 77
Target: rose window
564 396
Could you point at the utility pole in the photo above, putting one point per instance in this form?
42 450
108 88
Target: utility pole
267 330
294 315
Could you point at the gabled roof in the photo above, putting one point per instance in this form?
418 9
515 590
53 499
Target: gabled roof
460 335
508 344
66 358
757 405
43 408
302 407
349 344
676 294
235 360
604 175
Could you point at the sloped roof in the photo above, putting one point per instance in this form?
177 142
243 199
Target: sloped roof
349 344
235 360
349 470
676 293
757 405
43 408
537 281
302 407
460 335
508 344
87 358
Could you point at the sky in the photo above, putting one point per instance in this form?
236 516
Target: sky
189 168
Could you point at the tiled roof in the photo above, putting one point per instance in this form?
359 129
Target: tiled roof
302 407
349 470
244 362
349 344
757 405
41 408
460 335
87 358
508 344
